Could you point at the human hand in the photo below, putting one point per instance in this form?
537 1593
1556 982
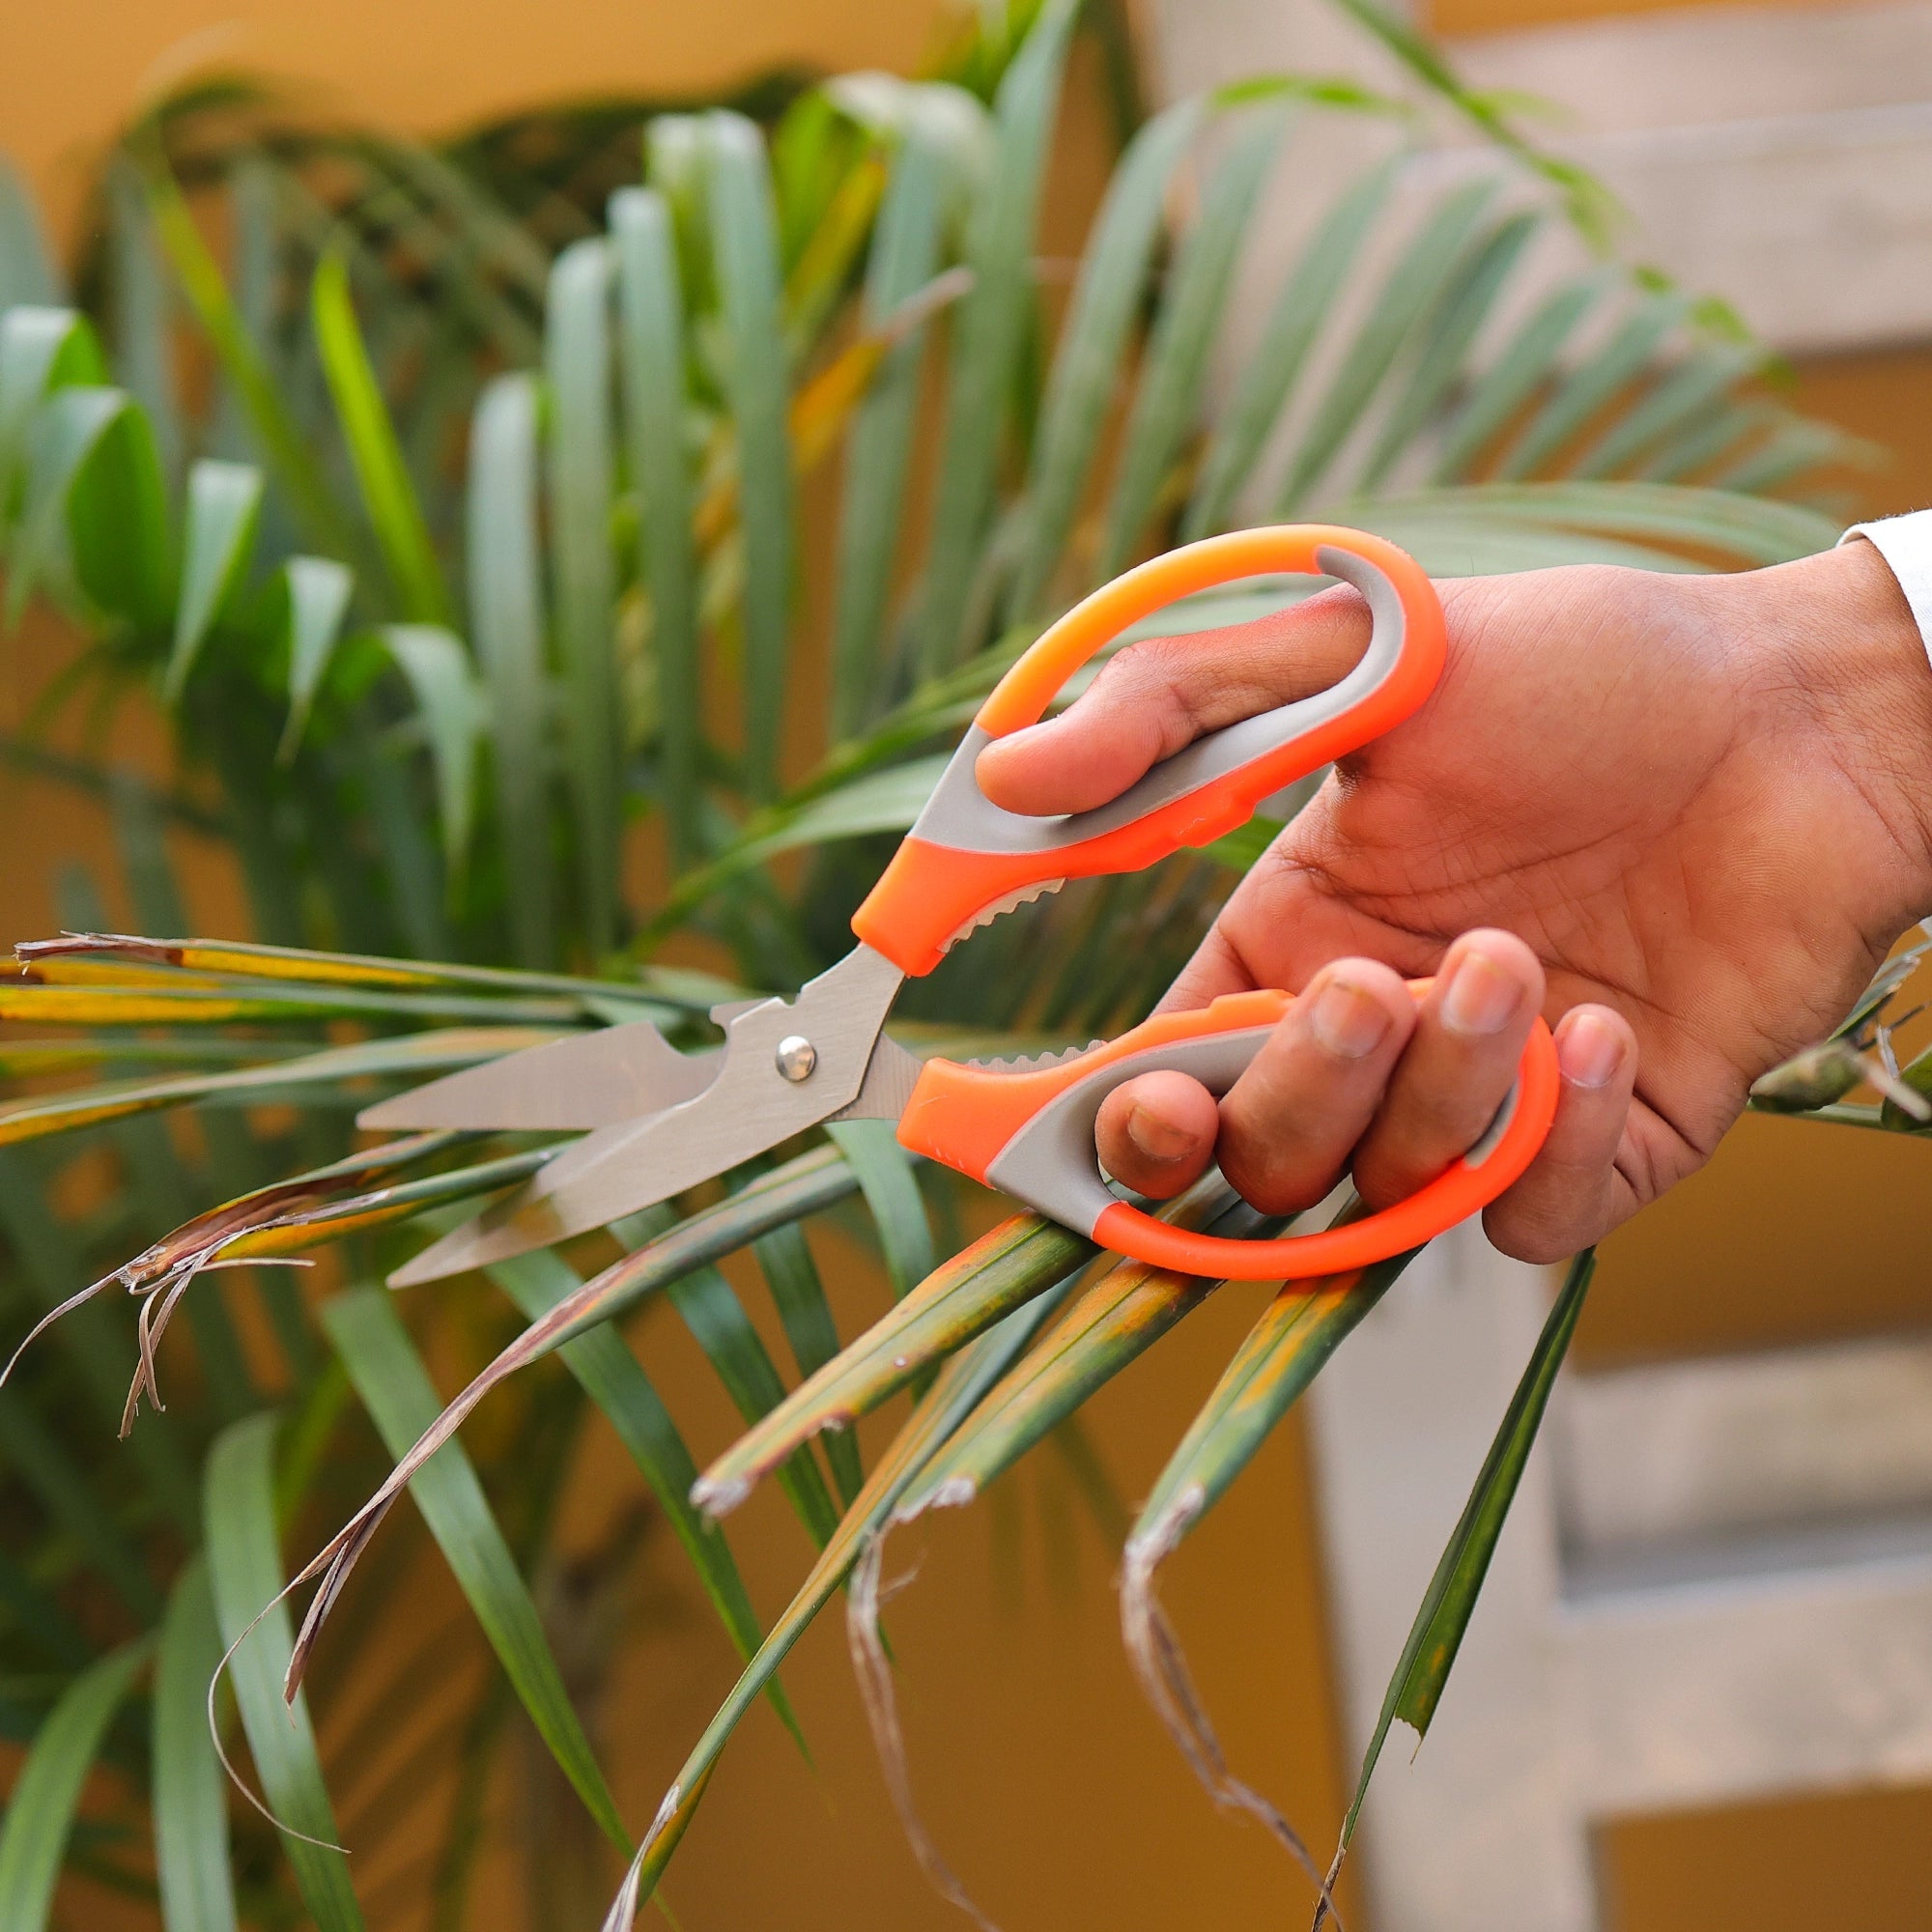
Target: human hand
1683 818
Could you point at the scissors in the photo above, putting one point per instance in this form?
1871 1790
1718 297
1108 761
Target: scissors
658 1120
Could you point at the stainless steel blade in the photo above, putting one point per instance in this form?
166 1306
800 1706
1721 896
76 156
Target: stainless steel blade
596 1080
829 1032
890 1075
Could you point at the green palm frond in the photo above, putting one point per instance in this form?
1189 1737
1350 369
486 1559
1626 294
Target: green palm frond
479 595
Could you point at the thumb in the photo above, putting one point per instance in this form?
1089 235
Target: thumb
1155 697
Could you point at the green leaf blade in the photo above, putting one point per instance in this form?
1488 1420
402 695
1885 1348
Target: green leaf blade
224 505
744 248
245 1573
506 622
616 1382
1423 1668
651 364
1086 364
389 497
40 1809
191 1848
577 367
988 331
316 593
389 1377
1185 333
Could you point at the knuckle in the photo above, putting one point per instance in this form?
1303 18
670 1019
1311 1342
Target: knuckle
1162 681
1274 1185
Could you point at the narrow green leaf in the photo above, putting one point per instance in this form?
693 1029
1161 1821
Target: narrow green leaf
407 1057
1700 443
1591 384
1524 363
283 443
927 173
91 464
388 495
890 1187
1407 295
954 1394
189 1796
1283 1352
1021 1259
396 1388
651 363
144 336
40 350
28 270
880 801
577 364
745 258
453 712
190 1004
120 536
506 621
800 1187
721 1327
1697 386
315 592
1446 334
1115 1319
1184 332
224 504
1093 345
39 1813
658 994
1753 529
1591 206
1427 1658
254 207
1481 545
784 1259
988 331
244 1568
1789 451
616 1382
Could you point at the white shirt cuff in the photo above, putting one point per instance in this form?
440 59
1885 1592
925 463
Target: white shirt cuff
1906 545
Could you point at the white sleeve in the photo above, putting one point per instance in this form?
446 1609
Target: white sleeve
1906 545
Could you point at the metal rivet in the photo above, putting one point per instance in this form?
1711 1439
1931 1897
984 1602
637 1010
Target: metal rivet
796 1057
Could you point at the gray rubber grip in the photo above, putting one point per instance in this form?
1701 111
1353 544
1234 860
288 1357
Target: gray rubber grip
961 815
1050 1163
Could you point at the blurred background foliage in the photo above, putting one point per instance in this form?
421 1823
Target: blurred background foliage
453 502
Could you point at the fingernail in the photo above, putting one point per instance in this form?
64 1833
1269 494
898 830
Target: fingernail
1481 996
1589 1049
1348 1021
1157 1138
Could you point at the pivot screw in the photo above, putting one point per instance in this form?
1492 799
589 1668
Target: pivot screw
796 1057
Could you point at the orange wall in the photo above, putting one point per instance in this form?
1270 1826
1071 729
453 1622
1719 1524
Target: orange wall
70 73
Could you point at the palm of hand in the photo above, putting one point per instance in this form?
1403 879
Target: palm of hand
1607 771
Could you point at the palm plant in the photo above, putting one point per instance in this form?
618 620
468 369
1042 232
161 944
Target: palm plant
451 710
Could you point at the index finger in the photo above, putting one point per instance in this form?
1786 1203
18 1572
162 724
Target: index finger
1154 697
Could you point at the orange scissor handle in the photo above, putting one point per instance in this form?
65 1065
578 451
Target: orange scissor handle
965 858
1029 1131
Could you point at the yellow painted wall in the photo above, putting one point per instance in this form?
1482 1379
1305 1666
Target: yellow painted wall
70 72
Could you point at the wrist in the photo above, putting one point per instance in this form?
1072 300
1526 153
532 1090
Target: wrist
1839 634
